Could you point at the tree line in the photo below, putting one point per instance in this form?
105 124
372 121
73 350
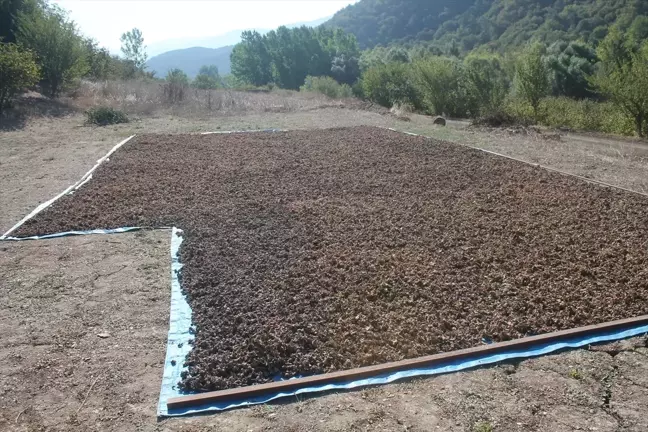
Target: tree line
285 57
40 44
588 82
572 76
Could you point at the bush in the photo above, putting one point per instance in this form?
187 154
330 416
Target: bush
18 70
103 116
442 83
207 79
326 86
585 115
487 84
563 112
175 86
390 84
205 82
55 39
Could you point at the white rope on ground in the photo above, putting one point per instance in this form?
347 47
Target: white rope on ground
244 131
589 180
86 177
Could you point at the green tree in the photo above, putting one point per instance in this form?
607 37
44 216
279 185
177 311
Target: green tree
175 85
570 65
623 79
101 65
250 59
615 49
177 76
18 70
487 83
441 81
133 48
532 76
286 56
9 10
389 84
207 78
57 44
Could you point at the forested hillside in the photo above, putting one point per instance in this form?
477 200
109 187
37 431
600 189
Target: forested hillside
466 24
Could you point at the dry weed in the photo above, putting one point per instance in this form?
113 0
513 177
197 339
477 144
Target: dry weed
146 98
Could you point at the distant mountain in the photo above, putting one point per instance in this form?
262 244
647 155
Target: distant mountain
467 24
190 60
230 38
211 50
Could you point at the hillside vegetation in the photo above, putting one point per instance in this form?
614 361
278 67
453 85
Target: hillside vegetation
462 25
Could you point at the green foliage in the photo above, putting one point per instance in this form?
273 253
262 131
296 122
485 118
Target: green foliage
483 426
381 56
575 374
9 11
623 78
379 22
57 44
104 66
251 62
177 76
133 48
532 76
487 83
103 116
326 86
207 78
175 86
454 26
287 56
392 83
563 112
18 70
442 83
570 65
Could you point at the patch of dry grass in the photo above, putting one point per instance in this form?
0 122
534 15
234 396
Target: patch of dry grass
146 98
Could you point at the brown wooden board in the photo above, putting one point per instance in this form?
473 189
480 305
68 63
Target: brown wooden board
371 371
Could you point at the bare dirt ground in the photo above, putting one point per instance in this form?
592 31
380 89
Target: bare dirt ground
57 373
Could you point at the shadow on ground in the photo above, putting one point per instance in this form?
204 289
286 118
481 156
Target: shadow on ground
32 106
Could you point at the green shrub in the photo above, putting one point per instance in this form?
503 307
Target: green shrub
392 83
326 86
18 70
175 86
585 115
208 78
563 112
103 116
443 85
59 49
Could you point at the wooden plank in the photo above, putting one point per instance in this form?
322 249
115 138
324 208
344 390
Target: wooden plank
371 371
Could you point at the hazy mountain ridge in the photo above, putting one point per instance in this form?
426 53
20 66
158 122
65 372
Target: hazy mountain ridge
190 60
189 54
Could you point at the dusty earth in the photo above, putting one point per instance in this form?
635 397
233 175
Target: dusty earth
56 373
348 247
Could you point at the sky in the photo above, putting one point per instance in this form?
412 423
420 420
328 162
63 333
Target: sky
106 20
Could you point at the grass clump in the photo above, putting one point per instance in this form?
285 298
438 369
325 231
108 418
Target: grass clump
575 374
103 116
326 86
483 426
